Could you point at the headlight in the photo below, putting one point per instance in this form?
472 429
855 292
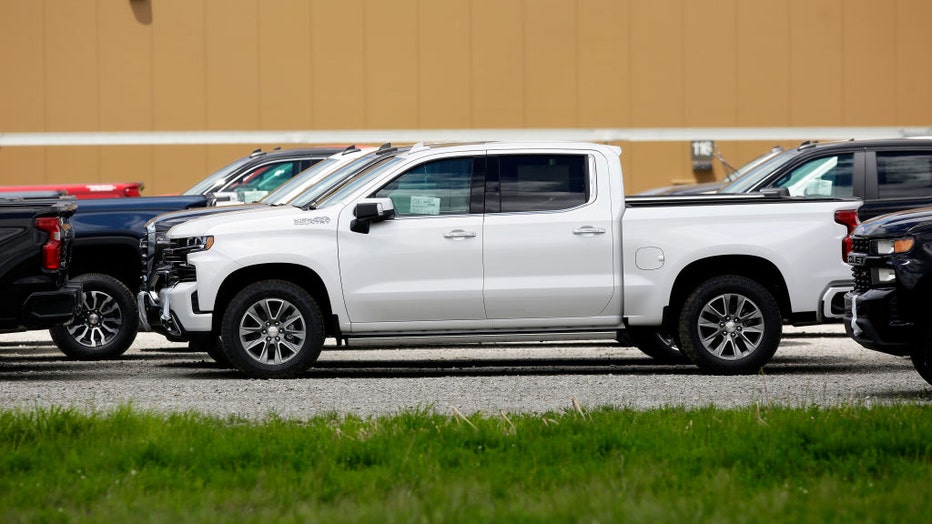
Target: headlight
194 243
179 248
889 246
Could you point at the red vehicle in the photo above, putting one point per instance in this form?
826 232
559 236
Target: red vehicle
111 190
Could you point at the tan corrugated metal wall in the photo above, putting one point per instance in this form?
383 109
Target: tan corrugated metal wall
189 65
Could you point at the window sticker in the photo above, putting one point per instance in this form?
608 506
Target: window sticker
425 205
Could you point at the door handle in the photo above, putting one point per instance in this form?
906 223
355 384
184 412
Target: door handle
589 230
459 233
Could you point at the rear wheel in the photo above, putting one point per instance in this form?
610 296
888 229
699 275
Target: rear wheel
105 324
730 325
272 329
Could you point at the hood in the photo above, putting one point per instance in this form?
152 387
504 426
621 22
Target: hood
258 219
166 221
909 222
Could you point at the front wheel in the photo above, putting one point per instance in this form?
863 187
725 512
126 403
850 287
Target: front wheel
213 346
657 344
730 325
104 325
922 357
272 329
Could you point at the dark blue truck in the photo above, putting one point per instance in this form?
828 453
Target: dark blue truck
106 257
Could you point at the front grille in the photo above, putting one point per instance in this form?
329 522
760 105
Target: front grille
862 278
860 245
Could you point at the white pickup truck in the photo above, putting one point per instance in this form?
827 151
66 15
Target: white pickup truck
501 239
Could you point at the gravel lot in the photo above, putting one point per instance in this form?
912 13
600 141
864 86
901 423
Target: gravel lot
814 366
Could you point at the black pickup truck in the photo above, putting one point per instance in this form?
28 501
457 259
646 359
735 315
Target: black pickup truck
106 246
889 309
35 249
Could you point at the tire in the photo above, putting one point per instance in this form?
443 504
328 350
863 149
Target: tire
105 324
213 346
657 344
922 356
730 325
287 344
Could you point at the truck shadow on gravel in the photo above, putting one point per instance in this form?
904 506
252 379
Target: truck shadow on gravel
414 368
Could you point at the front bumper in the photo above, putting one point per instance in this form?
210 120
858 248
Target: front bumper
173 312
872 320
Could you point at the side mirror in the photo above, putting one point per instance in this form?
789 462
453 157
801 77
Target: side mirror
371 210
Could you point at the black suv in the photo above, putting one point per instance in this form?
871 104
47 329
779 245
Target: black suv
889 309
252 177
888 175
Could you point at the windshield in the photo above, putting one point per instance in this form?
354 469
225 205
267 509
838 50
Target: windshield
344 181
215 179
276 197
757 173
743 170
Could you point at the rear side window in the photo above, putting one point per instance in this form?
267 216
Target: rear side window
904 175
545 182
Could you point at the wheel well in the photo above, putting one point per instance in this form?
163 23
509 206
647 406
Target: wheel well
300 275
122 262
757 269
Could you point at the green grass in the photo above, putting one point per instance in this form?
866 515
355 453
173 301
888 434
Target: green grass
850 464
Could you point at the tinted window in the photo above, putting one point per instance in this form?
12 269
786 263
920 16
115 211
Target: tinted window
441 187
543 182
829 176
254 185
902 175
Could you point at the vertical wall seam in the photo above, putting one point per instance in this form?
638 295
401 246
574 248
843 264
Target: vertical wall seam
365 66
576 56
311 64
417 65
100 152
471 60
524 73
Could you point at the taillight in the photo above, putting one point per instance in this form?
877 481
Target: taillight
849 219
51 250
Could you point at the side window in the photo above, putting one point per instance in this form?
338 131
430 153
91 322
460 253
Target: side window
544 182
829 176
902 175
253 185
441 187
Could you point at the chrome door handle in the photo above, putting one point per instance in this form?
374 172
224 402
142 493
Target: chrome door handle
589 230
459 233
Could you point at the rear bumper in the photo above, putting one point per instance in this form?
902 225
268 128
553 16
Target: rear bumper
44 309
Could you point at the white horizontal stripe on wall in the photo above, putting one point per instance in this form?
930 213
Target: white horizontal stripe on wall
136 138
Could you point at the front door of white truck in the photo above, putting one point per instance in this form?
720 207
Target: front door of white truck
548 240
425 264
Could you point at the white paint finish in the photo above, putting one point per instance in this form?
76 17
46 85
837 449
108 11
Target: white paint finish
407 270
